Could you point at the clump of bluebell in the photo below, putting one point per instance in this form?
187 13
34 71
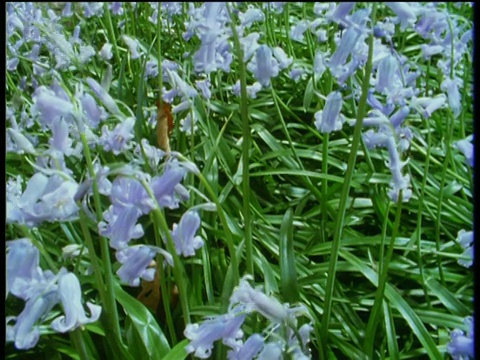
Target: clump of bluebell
42 291
393 79
282 334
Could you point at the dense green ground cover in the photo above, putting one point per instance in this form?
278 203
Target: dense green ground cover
315 202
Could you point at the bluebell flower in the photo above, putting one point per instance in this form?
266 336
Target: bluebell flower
252 90
296 73
24 333
344 49
75 39
284 61
250 16
204 87
93 113
44 199
92 9
49 106
466 147
185 105
399 182
248 350
385 29
133 46
256 300
399 116
151 69
183 234
12 64
23 268
405 14
189 124
277 6
116 8
153 154
296 32
86 52
135 262
465 239
264 66
205 58
428 21
249 45
180 85
298 348
209 21
426 106
122 225
450 86
60 140
340 12
271 350
104 96
388 78
202 337
347 71
329 119
130 192
430 50
33 54
167 188
319 64
374 118
23 145
462 346
67 10
106 51
120 138
70 295
321 35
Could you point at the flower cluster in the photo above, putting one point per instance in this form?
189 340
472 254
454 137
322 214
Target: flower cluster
41 290
465 239
461 347
282 329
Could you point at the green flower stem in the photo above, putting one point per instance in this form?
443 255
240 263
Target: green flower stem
28 233
109 298
324 203
163 286
228 235
307 181
159 54
178 269
420 212
111 32
383 271
332 268
438 241
77 339
245 148
97 268
286 19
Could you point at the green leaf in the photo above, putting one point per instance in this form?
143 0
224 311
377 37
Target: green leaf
447 298
288 273
144 323
178 352
397 301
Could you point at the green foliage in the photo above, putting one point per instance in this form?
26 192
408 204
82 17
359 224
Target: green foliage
305 212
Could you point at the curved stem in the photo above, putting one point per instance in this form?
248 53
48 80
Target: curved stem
332 268
109 297
245 148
